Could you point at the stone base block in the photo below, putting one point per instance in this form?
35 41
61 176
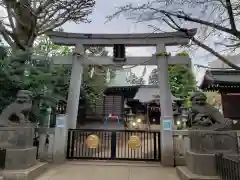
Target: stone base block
25 174
201 164
12 137
184 174
20 158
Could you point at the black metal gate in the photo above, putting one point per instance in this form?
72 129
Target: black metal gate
114 145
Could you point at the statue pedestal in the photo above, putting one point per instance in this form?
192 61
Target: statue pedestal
18 142
200 158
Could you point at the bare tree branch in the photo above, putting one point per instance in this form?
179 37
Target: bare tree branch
6 34
221 22
43 6
229 45
230 14
28 19
202 45
188 18
229 63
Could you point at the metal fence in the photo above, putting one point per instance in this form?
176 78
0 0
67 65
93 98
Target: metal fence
228 167
2 158
114 145
36 143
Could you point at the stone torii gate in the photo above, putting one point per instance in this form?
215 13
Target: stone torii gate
119 41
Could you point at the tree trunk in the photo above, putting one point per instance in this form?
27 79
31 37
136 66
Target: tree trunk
25 31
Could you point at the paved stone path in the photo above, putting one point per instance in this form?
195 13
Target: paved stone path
100 170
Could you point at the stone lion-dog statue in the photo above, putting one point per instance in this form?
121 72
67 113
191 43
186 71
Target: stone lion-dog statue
22 104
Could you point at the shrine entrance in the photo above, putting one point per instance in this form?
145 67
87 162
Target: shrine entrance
119 42
98 144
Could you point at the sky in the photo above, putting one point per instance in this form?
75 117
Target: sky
104 8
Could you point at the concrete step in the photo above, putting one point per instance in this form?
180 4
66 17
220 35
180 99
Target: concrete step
25 174
184 174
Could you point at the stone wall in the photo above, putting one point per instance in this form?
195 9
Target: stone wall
182 144
52 144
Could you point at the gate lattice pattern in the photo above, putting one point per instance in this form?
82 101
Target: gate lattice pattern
113 145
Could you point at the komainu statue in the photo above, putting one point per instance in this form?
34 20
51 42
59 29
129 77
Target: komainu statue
206 116
21 105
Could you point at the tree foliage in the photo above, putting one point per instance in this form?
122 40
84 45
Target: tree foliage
216 19
20 71
92 87
182 80
27 19
48 82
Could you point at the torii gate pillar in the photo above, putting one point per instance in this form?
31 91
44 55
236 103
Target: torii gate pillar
74 88
167 151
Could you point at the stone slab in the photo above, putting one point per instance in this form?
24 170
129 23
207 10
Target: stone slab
184 174
25 174
20 158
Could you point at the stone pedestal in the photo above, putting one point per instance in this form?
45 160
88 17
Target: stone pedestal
18 142
200 158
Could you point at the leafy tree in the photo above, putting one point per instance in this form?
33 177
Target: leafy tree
182 80
217 19
15 76
27 19
92 87
48 82
24 22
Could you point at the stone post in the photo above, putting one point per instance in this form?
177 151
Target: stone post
167 152
74 89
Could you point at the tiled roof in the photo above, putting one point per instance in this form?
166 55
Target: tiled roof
217 79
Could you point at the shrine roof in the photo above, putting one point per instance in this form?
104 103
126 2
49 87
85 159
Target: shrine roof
148 93
221 80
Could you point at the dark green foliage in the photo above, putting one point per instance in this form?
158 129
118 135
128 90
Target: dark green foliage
49 83
182 80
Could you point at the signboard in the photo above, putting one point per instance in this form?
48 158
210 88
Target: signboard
167 125
60 121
